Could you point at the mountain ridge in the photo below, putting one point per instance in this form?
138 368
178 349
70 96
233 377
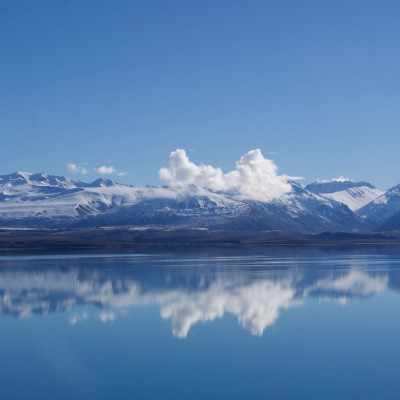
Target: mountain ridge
44 200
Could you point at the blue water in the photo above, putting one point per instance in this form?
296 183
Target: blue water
244 324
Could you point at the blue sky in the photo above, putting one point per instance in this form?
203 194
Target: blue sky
314 84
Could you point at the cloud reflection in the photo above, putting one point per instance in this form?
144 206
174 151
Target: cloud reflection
256 306
185 297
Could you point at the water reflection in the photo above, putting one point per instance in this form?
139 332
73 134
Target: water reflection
187 290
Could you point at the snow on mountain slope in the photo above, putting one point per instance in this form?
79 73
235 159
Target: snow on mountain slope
41 197
355 197
305 211
354 194
49 201
41 179
189 207
382 208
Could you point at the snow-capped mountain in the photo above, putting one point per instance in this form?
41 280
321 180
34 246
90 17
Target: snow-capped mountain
383 208
304 211
42 200
354 194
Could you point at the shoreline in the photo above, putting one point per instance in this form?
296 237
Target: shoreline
125 239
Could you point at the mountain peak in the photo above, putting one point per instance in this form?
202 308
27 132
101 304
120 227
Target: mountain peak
335 185
43 178
18 177
102 182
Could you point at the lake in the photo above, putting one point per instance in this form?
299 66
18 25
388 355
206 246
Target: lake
251 323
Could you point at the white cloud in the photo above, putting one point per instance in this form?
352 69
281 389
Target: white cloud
338 179
110 170
102 170
105 170
255 177
77 169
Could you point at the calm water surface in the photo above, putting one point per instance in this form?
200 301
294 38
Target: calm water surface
250 324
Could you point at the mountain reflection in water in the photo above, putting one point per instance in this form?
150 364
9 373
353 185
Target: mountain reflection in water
188 289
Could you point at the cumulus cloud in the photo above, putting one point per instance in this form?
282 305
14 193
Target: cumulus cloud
255 177
110 170
77 169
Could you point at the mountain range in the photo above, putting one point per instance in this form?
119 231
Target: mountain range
48 201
